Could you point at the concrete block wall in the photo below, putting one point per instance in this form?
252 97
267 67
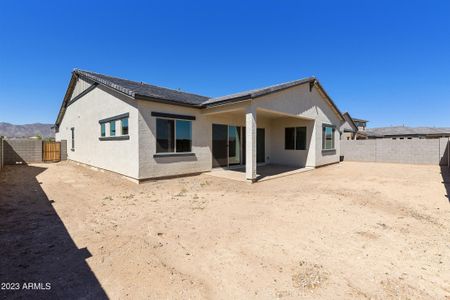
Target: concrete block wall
22 151
413 151
359 150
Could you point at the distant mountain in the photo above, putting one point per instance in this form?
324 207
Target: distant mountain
27 130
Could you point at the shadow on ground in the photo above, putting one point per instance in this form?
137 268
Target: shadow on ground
35 245
445 172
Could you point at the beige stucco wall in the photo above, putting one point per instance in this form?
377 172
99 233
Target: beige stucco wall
80 86
135 157
310 109
299 158
153 167
119 156
302 102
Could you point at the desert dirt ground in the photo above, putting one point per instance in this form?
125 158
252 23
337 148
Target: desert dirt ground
351 230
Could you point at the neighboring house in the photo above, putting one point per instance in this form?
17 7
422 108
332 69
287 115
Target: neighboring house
143 131
361 124
352 130
404 132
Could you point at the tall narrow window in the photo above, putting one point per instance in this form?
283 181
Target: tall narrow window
289 138
165 132
184 136
300 138
102 129
328 137
73 138
124 123
112 128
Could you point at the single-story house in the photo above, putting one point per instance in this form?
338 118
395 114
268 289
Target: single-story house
144 131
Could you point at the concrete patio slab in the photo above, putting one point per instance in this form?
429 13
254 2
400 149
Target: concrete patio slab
266 172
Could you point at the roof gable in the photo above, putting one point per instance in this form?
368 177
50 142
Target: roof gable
350 122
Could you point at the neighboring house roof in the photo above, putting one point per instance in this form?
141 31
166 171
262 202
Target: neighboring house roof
407 131
360 120
351 127
144 91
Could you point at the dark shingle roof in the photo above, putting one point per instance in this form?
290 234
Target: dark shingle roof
406 131
258 92
139 89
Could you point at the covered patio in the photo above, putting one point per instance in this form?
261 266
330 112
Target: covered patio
256 144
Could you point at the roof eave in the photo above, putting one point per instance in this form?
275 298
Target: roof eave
352 123
275 90
227 101
165 101
333 105
66 99
115 87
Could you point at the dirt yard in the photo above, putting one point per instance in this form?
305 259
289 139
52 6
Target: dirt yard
352 230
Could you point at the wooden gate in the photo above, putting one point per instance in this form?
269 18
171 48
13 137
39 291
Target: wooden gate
51 151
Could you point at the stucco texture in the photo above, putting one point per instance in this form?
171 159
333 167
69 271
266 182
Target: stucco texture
135 158
120 156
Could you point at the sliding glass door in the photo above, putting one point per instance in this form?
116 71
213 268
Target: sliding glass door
234 145
229 145
219 144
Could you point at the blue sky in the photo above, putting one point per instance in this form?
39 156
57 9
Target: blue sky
385 61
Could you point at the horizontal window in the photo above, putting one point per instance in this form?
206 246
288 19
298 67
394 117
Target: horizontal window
295 138
112 130
173 136
328 137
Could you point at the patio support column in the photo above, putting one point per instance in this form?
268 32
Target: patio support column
250 143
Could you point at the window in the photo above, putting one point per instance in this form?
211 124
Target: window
300 138
112 128
289 138
295 138
102 130
124 123
73 138
184 136
173 135
164 135
120 134
328 137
